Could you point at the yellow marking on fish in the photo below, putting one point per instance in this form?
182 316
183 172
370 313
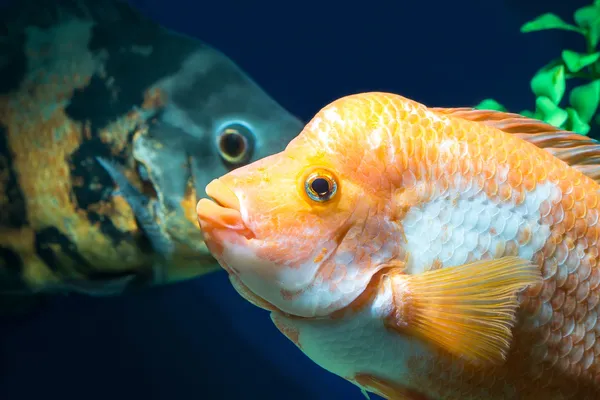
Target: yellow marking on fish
321 255
42 139
22 241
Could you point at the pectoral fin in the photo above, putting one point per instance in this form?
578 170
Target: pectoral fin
386 389
159 241
103 287
106 286
468 310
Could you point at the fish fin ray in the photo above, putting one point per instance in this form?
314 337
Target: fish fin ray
572 148
386 389
159 241
136 200
468 310
99 287
593 171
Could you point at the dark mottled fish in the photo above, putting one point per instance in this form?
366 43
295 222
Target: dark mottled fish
89 80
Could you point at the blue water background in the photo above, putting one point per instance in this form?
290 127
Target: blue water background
199 339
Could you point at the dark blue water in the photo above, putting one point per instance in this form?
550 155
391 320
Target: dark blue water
200 340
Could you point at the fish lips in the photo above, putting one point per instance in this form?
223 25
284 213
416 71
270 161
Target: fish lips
221 220
223 211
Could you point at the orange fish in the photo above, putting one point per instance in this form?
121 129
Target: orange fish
424 253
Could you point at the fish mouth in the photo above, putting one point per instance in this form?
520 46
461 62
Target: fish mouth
222 211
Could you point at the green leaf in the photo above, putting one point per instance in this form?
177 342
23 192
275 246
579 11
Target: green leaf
548 21
550 83
550 112
585 99
576 61
593 35
575 124
490 104
588 18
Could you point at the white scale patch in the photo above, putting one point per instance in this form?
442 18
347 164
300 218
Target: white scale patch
449 229
374 139
331 114
315 297
358 345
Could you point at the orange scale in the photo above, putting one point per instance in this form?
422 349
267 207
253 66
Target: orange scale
515 178
558 299
582 292
580 313
593 299
569 306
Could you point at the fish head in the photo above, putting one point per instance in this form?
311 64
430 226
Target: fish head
303 231
214 114
171 112
213 119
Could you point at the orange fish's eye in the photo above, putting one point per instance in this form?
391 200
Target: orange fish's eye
320 186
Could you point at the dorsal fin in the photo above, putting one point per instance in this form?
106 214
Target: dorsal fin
580 152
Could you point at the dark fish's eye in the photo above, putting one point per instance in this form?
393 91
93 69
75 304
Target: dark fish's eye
320 186
235 144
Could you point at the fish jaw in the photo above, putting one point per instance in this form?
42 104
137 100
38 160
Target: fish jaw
234 246
227 238
291 287
221 221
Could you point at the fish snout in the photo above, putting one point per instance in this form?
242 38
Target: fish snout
222 213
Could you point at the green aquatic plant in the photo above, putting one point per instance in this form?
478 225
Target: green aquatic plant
578 71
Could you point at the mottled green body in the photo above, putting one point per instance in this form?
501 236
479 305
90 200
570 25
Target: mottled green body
93 78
